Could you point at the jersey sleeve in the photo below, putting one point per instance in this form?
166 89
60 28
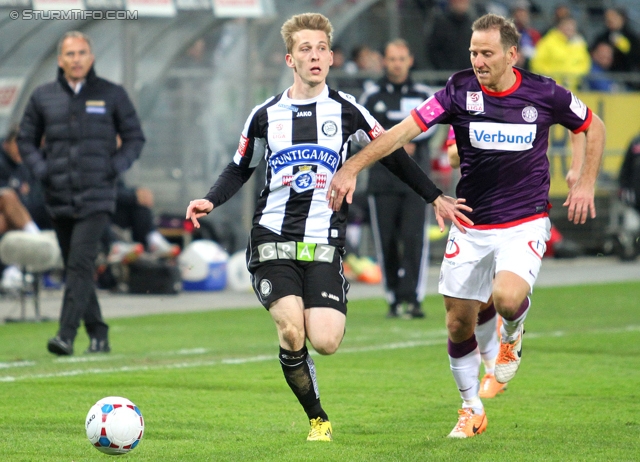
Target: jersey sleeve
251 149
253 139
365 127
432 111
399 163
570 111
406 169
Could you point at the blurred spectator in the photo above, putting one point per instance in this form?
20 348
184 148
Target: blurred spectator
364 59
14 174
339 58
601 60
448 41
529 36
628 233
15 189
625 42
134 212
630 175
561 11
562 54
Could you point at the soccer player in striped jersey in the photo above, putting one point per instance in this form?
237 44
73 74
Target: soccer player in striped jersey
296 242
501 117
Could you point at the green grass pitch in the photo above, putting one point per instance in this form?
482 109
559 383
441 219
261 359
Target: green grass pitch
211 389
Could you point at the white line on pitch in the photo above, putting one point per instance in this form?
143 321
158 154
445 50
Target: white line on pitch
260 358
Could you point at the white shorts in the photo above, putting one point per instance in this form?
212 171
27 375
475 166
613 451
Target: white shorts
471 260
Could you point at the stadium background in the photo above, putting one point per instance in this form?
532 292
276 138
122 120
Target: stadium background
195 68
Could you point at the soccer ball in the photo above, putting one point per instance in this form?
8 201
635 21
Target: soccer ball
114 425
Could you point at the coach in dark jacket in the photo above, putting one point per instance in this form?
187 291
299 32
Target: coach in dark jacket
68 138
398 215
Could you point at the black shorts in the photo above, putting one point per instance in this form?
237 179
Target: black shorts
319 284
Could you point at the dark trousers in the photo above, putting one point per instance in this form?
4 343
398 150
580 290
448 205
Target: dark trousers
137 217
79 239
398 226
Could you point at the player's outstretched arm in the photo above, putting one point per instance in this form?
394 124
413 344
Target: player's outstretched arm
343 183
580 202
451 209
198 209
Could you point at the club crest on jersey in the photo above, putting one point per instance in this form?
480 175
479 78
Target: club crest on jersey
329 128
475 102
305 179
530 114
304 154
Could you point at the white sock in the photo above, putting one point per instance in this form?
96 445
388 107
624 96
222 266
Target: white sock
31 227
488 343
510 327
465 373
473 403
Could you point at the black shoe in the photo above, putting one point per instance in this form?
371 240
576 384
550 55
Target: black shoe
415 312
98 346
393 311
60 347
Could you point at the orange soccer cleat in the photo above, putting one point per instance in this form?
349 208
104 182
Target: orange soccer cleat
508 360
469 424
490 387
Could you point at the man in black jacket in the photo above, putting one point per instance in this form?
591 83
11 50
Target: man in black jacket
398 215
68 140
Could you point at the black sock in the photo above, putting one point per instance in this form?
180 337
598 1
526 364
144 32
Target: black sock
300 373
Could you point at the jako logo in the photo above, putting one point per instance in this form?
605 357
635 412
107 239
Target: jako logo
304 114
502 137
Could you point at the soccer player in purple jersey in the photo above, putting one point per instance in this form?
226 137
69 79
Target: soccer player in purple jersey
501 117
489 323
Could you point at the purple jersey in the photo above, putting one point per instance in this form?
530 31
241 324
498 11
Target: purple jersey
502 141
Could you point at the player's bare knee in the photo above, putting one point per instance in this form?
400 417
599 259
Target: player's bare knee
506 304
459 327
291 334
327 345
326 349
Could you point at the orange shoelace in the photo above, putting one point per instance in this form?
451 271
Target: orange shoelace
506 354
465 414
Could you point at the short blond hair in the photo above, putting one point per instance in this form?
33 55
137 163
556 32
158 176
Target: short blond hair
305 21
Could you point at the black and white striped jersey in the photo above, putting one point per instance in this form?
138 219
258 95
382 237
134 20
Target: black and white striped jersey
304 143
